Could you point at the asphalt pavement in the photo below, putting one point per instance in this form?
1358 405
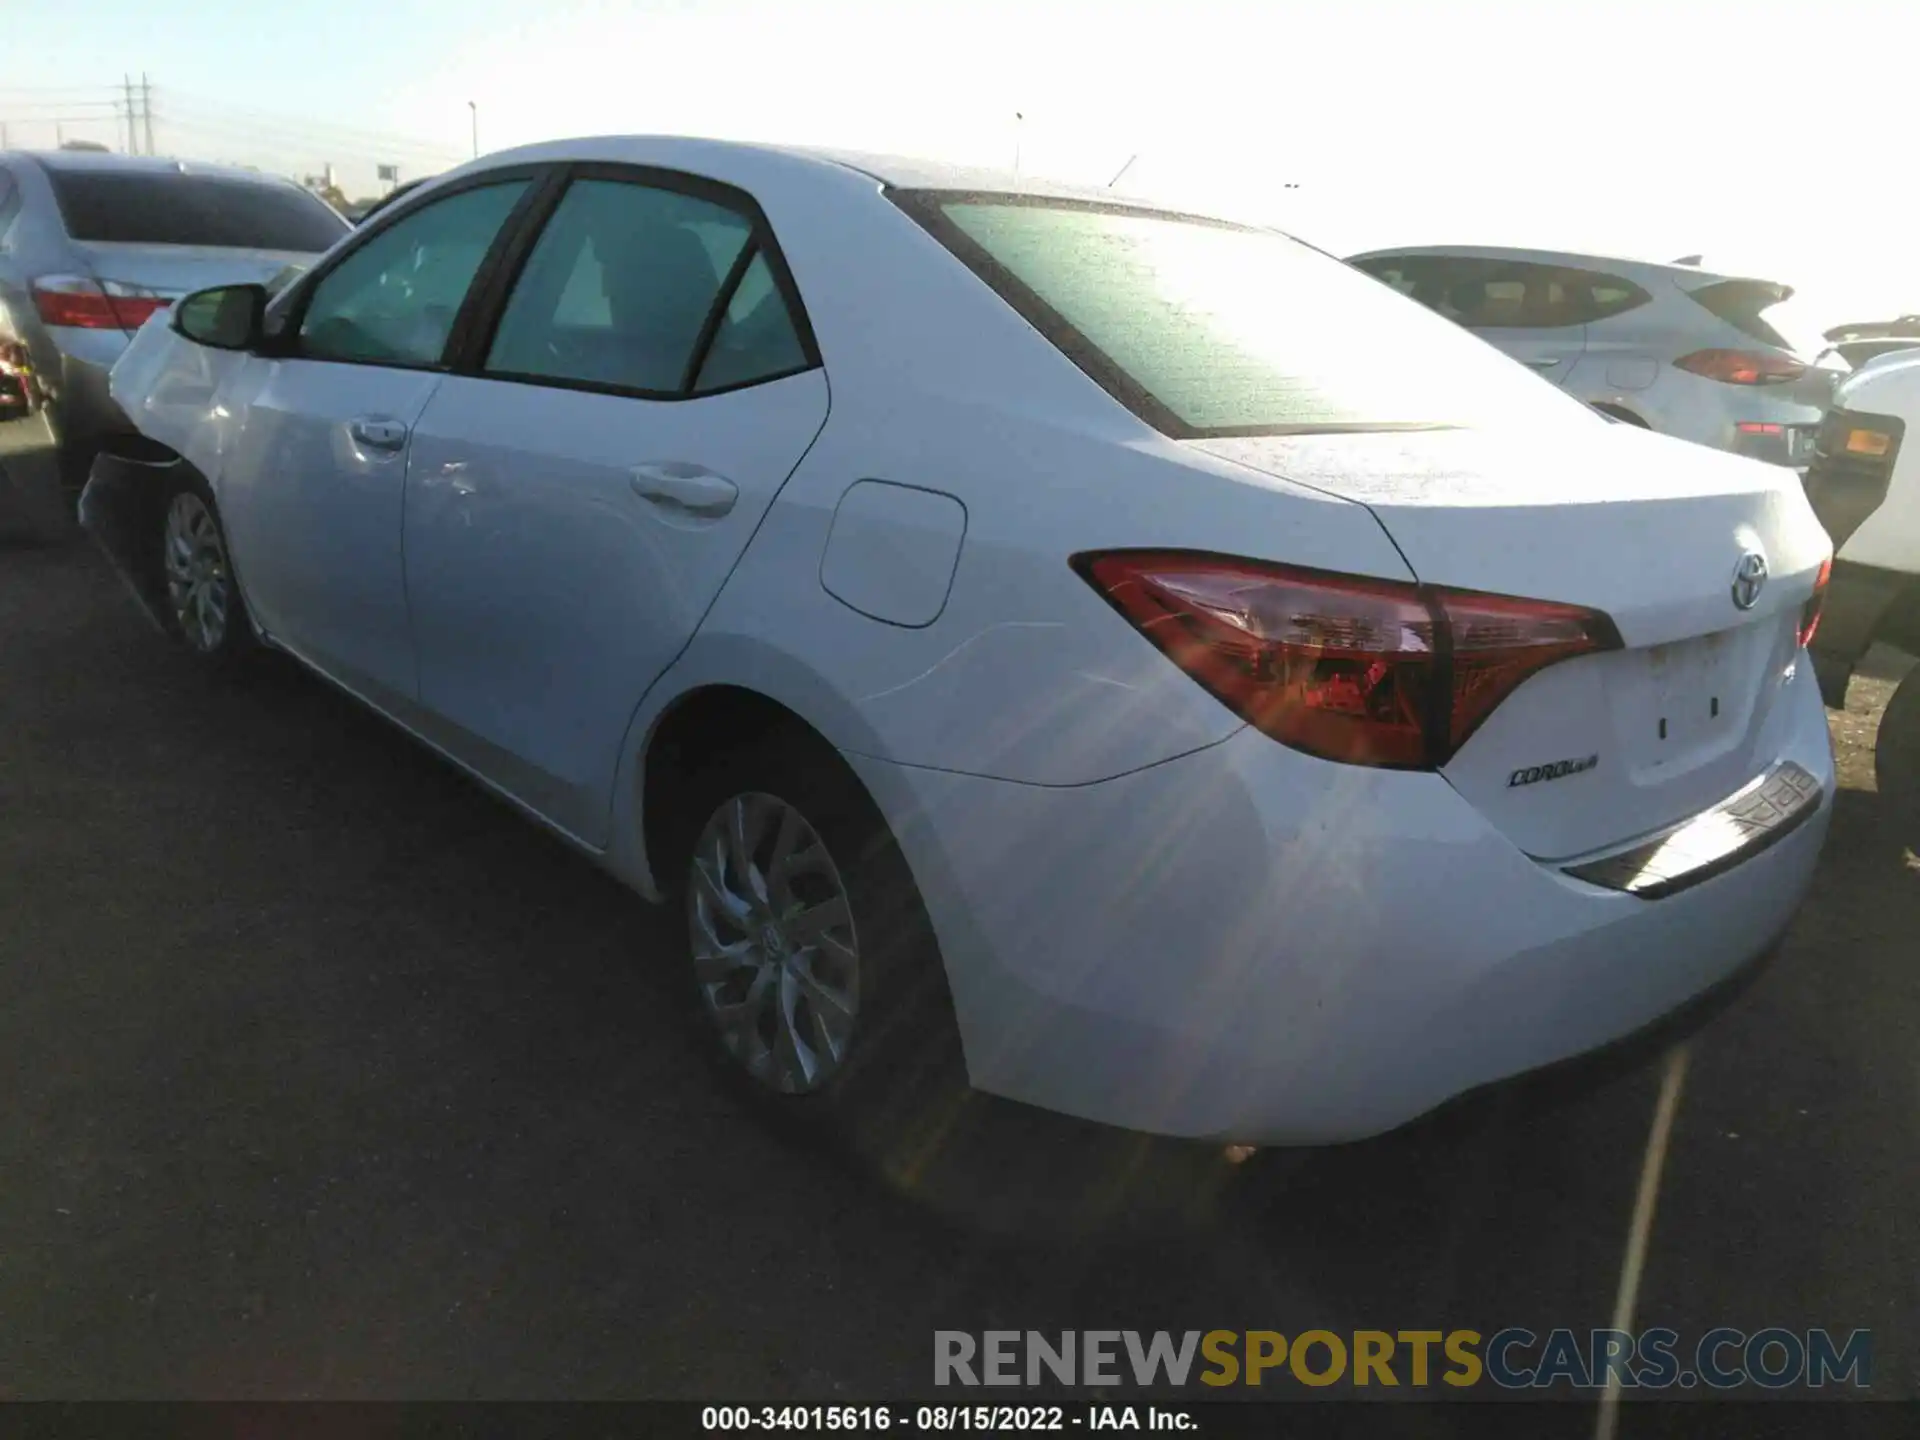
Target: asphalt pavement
323 1075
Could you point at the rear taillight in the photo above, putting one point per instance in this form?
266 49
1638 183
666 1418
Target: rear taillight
1816 602
1368 672
1742 367
87 304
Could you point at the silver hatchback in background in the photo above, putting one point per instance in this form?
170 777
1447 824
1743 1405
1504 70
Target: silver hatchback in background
1671 347
92 244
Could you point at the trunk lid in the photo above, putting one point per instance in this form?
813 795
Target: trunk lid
176 270
1646 529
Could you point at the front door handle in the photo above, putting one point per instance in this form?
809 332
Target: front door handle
377 433
692 488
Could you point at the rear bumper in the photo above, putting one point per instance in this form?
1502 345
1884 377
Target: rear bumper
31 488
87 408
120 509
1246 944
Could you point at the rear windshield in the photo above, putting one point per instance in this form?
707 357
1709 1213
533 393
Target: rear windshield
204 210
1741 303
1204 328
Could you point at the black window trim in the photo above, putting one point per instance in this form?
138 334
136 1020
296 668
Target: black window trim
542 179
490 300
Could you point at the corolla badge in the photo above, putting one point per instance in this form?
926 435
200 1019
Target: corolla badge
1749 579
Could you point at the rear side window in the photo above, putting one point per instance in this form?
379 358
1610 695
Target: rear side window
1204 328
1741 303
625 286
1489 293
212 211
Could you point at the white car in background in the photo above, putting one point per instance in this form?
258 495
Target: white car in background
1231 700
1865 487
1672 348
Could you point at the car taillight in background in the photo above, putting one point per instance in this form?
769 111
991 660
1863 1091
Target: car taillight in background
87 304
1816 602
1742 367
1363 671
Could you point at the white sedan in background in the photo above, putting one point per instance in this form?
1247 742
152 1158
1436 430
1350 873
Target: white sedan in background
1229 699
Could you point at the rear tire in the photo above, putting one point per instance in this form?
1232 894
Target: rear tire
205 613
816 982
1896 749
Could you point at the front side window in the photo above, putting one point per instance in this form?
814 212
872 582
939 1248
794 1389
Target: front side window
621 292
1205 328
393 301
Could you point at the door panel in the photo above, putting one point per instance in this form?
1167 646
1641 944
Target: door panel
312 488
561 548
311 496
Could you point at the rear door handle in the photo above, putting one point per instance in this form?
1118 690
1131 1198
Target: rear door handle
681 486
1543 362
377 433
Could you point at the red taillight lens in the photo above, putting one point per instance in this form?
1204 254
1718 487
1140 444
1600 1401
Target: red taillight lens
1816 602
135 310
1368 672
86 304
1742 367
73 301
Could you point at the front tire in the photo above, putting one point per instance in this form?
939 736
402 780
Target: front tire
204 610
816 980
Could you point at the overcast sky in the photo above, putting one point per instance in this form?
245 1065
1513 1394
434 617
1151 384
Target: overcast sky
1777 138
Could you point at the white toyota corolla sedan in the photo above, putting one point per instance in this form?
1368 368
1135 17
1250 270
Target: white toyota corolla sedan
1232 700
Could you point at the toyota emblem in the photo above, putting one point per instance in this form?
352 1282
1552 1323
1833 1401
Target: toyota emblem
1749 579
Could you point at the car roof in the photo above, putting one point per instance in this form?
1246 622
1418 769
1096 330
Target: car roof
95 162
898 171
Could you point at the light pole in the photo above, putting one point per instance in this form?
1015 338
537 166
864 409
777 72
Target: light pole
474 111
1017 119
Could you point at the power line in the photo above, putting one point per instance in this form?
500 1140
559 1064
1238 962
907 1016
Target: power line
174 100
269 139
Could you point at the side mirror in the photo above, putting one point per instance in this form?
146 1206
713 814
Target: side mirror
227 317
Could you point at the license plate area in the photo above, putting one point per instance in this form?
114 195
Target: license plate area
1692 697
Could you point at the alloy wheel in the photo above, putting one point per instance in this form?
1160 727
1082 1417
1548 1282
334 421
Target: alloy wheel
198 578
775 956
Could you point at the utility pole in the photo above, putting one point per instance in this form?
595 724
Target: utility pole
1017 119
476 128
146 108
133 139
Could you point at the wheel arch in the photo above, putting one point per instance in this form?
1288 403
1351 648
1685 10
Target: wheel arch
724 690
